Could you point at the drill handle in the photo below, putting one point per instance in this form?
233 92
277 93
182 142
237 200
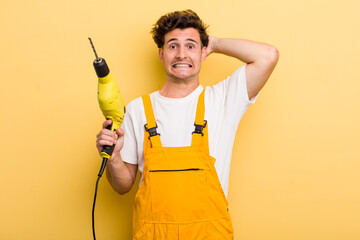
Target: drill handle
106 153
108 150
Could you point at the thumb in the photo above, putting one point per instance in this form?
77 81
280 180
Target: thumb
118 145
120 141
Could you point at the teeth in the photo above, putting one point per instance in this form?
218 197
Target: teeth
182 65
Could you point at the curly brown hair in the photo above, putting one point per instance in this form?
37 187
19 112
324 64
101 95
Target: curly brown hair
179 19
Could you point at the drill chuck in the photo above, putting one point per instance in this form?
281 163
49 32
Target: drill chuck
101 68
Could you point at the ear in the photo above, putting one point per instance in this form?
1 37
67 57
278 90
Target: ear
161 54
203 54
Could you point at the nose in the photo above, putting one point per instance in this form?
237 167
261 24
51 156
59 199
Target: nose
181 52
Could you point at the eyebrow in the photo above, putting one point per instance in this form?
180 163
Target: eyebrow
188 39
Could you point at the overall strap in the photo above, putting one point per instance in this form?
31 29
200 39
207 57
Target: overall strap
200 135
151 125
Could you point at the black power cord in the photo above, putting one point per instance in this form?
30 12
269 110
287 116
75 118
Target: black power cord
96 187
93 208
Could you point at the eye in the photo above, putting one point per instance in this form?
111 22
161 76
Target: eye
172 47
191 46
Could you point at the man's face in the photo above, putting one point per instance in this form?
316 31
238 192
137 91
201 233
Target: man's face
182 54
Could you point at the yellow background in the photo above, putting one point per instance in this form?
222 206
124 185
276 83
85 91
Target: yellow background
295 168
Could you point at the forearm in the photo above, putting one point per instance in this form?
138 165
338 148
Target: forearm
260 57
245 50
119 176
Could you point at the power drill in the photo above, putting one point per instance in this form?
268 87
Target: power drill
110 101
112 106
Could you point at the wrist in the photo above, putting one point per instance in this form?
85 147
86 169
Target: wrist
213 44
115 160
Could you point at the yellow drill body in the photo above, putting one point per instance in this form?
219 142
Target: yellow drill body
111 103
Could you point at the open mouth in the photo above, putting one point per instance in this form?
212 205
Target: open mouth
182 65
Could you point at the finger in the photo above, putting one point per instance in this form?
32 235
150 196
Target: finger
107 132
99 147
103 131
119 144
107 138
120 131
105 143
106 123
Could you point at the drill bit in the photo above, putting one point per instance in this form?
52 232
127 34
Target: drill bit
92 45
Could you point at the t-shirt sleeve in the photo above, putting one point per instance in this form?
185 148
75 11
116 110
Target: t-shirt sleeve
234 93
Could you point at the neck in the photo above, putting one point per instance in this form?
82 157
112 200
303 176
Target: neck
173 89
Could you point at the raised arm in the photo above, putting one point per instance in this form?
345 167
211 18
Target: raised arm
261 59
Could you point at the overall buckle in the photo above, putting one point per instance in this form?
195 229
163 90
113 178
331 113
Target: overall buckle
152 131
199 128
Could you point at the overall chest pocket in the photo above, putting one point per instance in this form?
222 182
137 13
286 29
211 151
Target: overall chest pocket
178 195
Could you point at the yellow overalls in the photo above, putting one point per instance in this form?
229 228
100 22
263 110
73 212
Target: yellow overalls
180 196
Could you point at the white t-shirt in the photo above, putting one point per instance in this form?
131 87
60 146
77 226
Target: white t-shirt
225 104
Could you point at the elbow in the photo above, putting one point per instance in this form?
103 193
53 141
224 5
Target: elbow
122 191
121 188
272 55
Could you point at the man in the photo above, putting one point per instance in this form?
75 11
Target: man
185 168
